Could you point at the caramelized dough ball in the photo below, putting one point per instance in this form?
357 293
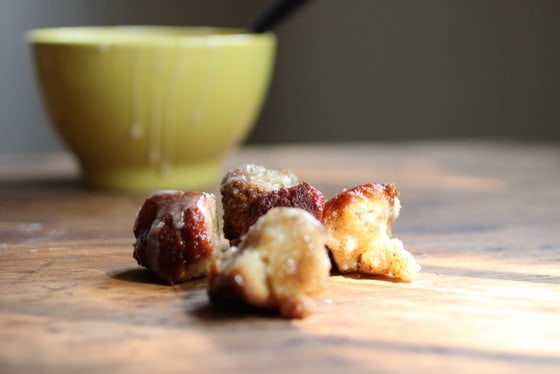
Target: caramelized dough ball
358 223
250 191
177 234
280 263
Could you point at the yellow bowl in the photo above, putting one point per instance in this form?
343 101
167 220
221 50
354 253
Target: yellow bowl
146 108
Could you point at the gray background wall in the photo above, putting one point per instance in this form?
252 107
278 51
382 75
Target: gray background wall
346 69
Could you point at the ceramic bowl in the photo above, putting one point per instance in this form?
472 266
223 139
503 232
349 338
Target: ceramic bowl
148 108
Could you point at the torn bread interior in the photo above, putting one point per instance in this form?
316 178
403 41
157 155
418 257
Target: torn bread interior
358 223
280 263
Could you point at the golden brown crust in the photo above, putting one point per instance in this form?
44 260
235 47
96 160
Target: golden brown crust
358 223
280 263
384 194
177 234
250 191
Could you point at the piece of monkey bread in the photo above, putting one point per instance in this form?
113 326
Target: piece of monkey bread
249 191
280 263
177 234
358 222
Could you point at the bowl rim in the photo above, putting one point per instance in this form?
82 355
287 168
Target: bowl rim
143 35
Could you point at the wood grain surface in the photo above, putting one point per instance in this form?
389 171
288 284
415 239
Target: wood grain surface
482 218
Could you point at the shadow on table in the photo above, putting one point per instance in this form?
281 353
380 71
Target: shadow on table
138 275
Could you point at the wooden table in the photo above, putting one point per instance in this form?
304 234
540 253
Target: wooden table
482 218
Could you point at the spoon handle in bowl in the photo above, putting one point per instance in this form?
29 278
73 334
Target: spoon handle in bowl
273 14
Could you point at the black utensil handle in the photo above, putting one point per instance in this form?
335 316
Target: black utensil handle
273 15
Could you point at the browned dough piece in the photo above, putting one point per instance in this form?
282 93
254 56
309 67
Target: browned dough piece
249 191
358 223
279 264
177 234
